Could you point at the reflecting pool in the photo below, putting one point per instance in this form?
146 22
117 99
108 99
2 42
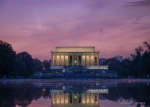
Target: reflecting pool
75 93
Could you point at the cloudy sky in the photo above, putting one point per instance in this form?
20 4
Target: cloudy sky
114 27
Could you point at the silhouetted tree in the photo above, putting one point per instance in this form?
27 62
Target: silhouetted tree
138 65
114 65
137 62
46 65
146 58
24 64
38 64
141 61
7 58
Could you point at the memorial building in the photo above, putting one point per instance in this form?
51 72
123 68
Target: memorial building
75 56
75 99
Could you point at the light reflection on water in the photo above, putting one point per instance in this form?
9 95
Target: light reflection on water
70 93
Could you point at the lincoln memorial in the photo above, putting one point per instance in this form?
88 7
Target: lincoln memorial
72 56
74 100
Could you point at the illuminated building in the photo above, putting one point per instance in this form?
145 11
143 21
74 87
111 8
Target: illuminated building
70 56
75 99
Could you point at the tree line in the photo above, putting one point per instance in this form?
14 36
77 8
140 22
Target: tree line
136 66
14 64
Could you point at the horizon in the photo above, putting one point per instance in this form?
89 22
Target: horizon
128 56
114 28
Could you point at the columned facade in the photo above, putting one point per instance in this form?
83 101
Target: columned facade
70 56
70 98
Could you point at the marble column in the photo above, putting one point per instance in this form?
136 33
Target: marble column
77 60
69 60
72 59
82 60
59 60
97 60
54 58
64 61
85 60
90 61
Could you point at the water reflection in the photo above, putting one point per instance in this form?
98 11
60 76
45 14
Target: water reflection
70 94
74 99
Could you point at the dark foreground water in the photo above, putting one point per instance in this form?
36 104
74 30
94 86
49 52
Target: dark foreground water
74 93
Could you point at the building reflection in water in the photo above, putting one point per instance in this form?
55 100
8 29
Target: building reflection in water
74 95
74 99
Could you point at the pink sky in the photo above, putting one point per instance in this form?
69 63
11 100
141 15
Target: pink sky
114 27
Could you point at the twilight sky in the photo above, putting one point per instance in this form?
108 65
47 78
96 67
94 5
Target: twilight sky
114 27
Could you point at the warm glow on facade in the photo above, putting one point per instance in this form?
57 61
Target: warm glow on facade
83 56
66 98
83 60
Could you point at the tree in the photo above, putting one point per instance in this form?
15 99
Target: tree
38 64
24 64
140 66
137 62
7 58
146 58
46 65
114 65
